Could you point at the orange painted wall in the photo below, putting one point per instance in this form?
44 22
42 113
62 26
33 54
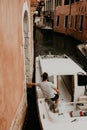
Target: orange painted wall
11 60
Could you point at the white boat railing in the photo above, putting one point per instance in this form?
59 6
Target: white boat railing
78 103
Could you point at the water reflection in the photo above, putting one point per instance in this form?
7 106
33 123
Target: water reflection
56 43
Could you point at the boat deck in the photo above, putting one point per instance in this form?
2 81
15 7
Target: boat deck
61 121
61 65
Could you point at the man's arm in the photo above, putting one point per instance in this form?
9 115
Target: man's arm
31 84
56 90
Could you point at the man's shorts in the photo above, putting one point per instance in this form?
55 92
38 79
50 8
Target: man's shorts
55 97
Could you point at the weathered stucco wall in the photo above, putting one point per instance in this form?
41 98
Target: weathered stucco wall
12 69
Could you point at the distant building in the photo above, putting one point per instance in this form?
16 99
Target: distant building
38 15
67 16
71 18
48 12
16 60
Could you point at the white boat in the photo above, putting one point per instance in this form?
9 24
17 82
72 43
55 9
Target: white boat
72 107
83 48
46 28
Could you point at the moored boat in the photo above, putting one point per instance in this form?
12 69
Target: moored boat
71 81
47 28
83 48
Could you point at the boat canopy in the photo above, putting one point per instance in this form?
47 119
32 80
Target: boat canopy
59 66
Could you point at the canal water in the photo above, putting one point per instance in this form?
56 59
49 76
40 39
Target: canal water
45 42
56 43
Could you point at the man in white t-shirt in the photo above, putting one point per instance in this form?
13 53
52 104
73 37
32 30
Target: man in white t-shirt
48 88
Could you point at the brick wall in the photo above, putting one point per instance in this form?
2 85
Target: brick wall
76 9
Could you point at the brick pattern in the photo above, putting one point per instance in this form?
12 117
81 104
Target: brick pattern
76 9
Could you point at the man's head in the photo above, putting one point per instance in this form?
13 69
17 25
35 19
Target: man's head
44 76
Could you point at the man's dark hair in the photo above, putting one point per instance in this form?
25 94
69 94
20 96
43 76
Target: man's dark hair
44 76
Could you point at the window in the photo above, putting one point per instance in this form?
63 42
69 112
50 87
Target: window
58 2
77 0
75 21
66 2
66 21
81 22
57 23
72 1
71 21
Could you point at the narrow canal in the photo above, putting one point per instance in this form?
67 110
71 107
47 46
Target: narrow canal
56 43
45 42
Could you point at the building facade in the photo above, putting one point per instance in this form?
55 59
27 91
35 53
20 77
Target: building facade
71 18
48 12
67 16
16 61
